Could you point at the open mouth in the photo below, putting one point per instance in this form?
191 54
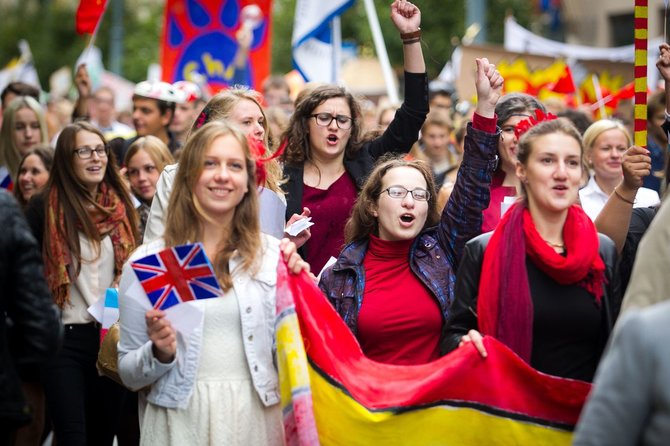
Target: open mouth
332 138
93 169
407 218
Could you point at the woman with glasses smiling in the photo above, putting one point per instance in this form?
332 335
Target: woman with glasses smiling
325 161
86 224
394 281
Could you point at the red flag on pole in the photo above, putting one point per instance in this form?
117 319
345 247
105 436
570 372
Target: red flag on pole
88 15
565 84
199 42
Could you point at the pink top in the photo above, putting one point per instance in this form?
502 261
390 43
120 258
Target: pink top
331 209
491 214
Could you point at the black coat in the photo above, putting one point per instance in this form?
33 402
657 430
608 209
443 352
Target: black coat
463 311
401 133
30 327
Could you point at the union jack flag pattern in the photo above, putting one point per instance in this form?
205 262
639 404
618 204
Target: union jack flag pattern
5 179
175 275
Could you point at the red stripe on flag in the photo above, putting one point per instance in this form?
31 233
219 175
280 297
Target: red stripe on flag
457 376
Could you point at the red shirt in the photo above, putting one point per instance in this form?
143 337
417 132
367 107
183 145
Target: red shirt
400 321
331 209
491 214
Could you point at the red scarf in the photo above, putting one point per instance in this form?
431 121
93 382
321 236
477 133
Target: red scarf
112 220
505 306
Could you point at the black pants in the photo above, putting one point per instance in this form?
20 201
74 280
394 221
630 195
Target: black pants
84 407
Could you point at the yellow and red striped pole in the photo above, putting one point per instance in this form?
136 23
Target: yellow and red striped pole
641 35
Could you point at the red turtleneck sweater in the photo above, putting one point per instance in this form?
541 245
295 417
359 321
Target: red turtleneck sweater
400 320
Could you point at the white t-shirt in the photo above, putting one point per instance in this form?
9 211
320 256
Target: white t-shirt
593 198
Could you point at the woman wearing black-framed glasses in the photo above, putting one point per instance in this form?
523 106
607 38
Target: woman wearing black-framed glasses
326 161
87 227
393 283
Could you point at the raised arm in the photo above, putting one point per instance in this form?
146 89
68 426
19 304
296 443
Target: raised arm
462 216
663 65
614 218
407 19
403 131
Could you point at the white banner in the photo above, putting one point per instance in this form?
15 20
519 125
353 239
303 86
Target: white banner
520 40
311 42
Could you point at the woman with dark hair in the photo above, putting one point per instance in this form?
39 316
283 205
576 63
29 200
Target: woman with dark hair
216 384
544 282
325 161
393 283
510 110
86 223
33 173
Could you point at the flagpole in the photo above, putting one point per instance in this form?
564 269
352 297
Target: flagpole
336 30
91 41
599 96
380 48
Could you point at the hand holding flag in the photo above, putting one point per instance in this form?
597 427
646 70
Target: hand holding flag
175 275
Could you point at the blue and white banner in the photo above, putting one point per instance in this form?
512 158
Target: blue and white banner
311 42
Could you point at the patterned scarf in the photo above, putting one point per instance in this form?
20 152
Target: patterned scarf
110 219
505 306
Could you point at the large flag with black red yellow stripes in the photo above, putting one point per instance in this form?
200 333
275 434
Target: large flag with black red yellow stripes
332 394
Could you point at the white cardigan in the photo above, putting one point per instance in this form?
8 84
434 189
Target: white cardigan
172 383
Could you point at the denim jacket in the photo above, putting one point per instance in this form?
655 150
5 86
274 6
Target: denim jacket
436 252
172 384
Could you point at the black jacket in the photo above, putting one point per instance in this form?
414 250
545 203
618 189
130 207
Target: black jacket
30 327
401 133
463 311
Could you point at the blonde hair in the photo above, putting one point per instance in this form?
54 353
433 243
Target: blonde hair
155 148
10 155
598 128
221 106
184 213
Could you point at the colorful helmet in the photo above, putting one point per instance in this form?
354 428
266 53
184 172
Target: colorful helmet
159 90
190 90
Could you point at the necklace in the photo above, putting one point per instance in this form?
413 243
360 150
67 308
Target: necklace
554 245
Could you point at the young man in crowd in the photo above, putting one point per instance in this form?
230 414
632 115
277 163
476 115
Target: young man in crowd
187 111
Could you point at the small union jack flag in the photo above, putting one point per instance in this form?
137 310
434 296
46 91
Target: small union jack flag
5 179
177 275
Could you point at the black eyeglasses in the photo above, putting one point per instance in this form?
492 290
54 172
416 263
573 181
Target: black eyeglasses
87 152
400 192
324 120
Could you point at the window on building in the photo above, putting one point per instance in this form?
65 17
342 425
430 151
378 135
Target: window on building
622 29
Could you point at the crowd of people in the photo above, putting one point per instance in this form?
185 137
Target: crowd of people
433 226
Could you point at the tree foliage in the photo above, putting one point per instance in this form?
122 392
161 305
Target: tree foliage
48 26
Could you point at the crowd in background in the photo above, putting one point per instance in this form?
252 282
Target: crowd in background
509 217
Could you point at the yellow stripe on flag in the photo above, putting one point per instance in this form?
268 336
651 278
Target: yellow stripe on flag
341 420
641 12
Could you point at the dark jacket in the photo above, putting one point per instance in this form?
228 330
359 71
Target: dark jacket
30 327
436 252
401 133
464 309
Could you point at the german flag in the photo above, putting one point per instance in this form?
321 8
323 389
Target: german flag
331 394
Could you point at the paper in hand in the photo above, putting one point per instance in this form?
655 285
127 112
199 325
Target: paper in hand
298 226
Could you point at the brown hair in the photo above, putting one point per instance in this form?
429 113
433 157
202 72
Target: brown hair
184 212
297 135
74 197
362 222
45 153
221 106
560 125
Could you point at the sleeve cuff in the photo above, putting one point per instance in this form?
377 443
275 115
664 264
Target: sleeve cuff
487 125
